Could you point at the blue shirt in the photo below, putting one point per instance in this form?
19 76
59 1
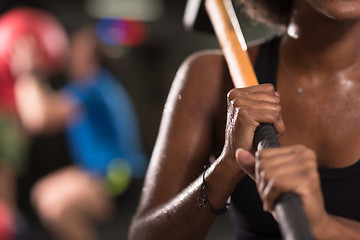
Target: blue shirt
106 128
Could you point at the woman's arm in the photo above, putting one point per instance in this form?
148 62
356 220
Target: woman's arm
338 228
168 206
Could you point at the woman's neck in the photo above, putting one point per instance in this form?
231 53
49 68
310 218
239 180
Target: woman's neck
320 42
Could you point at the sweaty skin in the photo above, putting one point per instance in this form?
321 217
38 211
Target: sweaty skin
205 118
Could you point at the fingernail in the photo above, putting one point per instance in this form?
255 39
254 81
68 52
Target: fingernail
277 94
238 151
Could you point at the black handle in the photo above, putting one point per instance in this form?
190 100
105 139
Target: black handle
265 137
288 208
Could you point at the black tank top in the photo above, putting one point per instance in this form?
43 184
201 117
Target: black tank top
340 186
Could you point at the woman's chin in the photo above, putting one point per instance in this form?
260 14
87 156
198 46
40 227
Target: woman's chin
340 10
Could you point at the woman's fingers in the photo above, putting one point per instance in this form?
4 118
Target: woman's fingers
247 108
258 96
246 161
257 104
264 88
281 170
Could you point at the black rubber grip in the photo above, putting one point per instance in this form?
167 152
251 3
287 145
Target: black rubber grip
291 217
265 137
288 208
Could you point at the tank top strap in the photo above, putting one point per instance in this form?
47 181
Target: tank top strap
267 61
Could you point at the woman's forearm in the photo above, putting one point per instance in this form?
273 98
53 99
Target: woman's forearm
334 227
180 217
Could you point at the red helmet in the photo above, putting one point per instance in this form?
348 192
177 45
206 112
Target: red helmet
51 38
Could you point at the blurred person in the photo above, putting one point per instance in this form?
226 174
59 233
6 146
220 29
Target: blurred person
96 112
21 26
103 139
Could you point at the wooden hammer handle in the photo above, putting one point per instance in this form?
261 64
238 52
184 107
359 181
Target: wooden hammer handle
228 32
291 216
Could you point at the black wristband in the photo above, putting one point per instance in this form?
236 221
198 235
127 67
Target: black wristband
205 200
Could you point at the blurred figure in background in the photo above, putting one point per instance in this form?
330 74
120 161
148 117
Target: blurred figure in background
21 28
104 142
94 108
97 113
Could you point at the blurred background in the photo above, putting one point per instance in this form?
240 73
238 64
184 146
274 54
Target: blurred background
145 62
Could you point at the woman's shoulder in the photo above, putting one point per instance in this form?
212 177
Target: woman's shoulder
207 70
204 58
204 71
204 65
216 60
201 80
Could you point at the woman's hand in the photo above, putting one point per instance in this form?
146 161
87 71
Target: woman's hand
289 169
247 108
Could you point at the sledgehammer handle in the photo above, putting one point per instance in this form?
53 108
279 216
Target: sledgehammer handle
291 216
231 41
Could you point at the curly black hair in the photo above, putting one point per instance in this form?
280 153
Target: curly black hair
270 12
